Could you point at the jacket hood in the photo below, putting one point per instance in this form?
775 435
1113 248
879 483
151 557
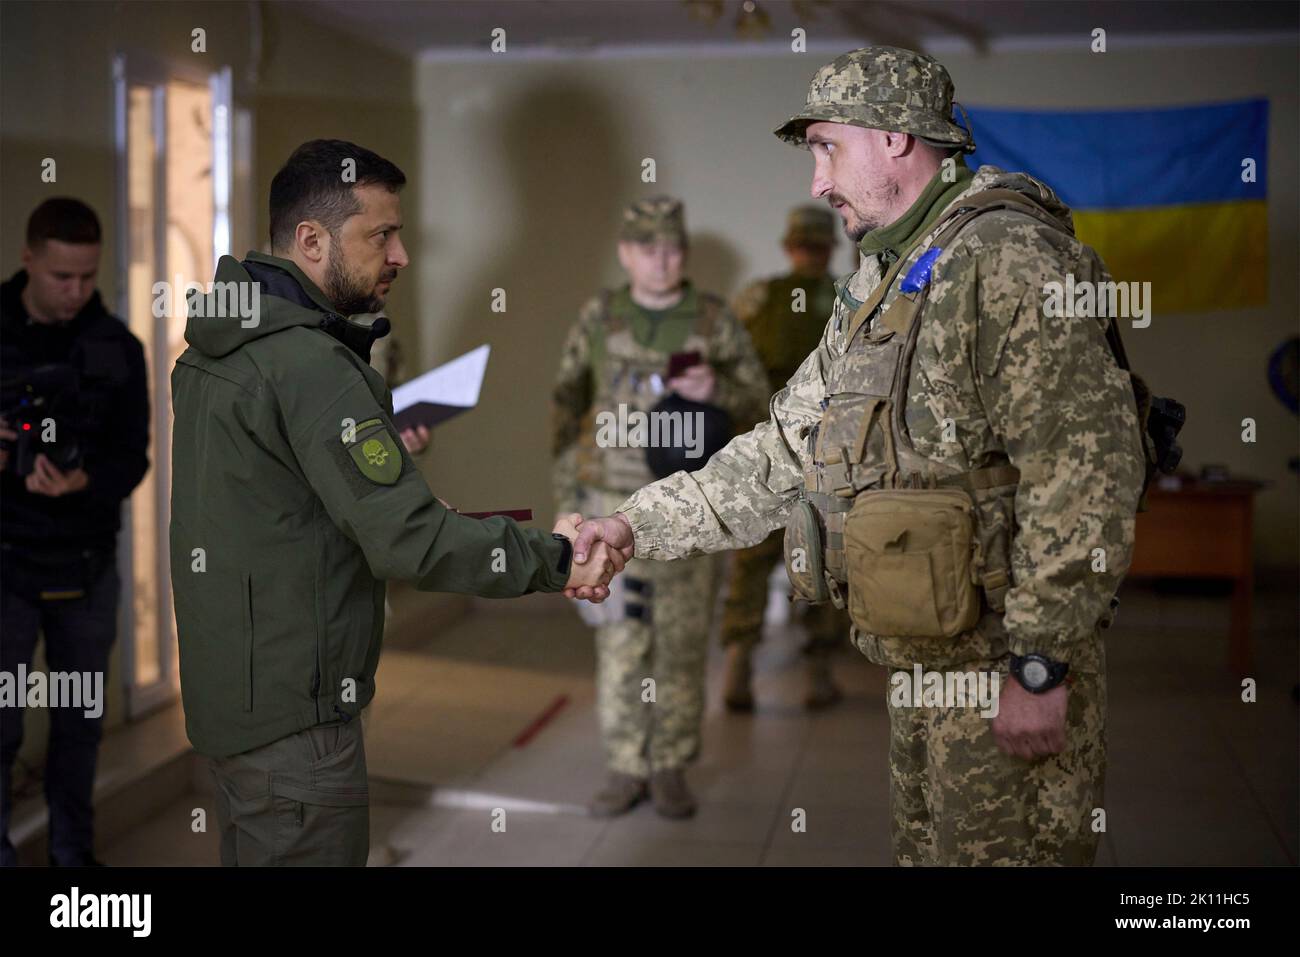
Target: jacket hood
235 311
990 177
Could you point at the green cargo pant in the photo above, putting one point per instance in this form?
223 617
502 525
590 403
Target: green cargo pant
301 800
956 799
746 604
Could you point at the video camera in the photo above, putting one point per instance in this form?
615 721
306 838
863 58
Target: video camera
43 401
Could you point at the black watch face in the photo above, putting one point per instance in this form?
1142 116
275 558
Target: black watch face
1034 674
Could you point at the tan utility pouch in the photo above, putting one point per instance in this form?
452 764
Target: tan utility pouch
803 554
910 559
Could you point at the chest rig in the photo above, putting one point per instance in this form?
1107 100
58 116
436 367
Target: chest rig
782 337
861 445
631 378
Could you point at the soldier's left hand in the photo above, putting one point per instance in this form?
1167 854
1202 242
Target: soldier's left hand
1030 725
47 479
695 383
416 440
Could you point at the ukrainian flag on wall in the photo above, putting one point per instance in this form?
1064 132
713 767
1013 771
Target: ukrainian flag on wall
1166 196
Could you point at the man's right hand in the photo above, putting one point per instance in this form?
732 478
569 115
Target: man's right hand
8 435
566 523
612 532
589 579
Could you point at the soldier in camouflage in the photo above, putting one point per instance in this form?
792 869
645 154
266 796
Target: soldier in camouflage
785 316
942 374
652 632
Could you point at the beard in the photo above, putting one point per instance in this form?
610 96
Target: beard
855 233
349 293
876 200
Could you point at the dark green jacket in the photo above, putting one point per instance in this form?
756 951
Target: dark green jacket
293 500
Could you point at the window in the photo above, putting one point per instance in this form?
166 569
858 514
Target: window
174 169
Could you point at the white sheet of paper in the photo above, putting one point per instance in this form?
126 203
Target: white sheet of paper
453 383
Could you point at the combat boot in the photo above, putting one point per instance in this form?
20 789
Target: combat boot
381 855
822 690
621 793
737 694
670 794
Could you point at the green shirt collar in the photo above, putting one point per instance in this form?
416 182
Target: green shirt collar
890 241
684 307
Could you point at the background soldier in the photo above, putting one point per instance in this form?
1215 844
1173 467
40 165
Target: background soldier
785 316
618 355
943 404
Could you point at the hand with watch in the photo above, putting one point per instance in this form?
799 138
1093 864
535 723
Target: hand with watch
592 576
1030 722
1037 673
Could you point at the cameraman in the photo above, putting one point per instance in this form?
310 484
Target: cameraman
74 435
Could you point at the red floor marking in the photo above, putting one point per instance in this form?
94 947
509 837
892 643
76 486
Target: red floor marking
541 721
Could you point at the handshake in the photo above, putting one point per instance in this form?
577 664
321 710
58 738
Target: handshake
601 547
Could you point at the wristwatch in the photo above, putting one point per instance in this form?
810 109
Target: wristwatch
1038 673
566 552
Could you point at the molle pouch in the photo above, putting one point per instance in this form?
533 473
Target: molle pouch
803 554
911 562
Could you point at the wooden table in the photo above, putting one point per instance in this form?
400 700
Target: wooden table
1203 530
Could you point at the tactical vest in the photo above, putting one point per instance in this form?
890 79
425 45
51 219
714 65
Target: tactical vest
631 377
924 549
782 337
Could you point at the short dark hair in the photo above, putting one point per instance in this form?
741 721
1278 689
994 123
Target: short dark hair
311 186
65 219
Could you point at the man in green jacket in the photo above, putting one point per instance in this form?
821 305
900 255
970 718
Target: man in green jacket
293 500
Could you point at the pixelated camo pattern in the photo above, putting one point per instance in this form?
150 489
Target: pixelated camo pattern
1043 391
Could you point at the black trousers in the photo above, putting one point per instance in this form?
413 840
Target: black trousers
79 635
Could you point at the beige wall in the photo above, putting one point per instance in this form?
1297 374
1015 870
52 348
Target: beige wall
316 83
527 163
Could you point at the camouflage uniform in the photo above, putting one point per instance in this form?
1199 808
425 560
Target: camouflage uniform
617 353
1043 394
783 336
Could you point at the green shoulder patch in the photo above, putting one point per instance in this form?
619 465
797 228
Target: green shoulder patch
375 453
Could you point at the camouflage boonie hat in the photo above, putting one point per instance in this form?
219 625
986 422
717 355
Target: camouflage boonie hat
810 225
882 88
657 217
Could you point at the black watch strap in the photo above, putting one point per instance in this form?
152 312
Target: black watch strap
566 553
1038 674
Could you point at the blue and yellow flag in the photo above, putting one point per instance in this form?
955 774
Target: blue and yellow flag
1176 197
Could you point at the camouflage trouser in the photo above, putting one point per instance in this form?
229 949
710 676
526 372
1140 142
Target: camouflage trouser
663 636
955 799
742 615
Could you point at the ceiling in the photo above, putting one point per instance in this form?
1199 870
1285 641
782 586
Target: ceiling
413 26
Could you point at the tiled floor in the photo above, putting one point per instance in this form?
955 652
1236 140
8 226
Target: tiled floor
1196 776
